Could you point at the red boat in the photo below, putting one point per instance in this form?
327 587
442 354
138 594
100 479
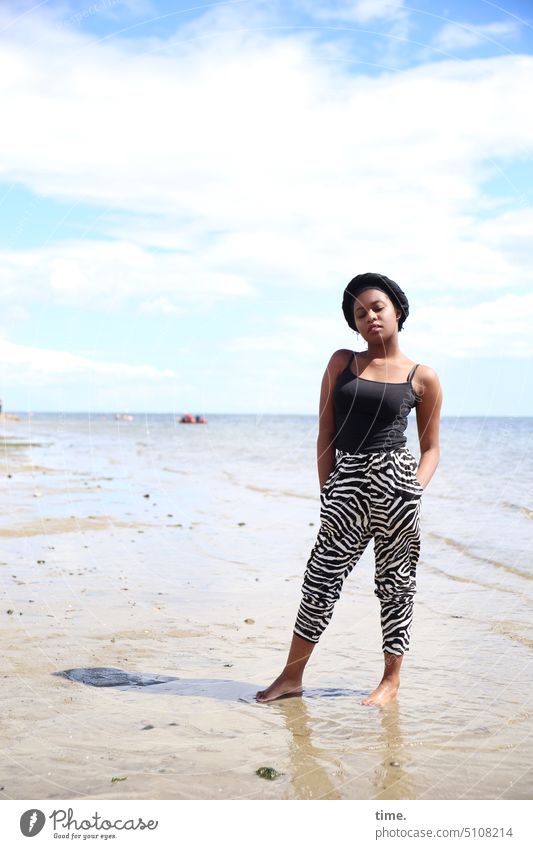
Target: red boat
188 418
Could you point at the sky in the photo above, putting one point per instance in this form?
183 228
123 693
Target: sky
186 189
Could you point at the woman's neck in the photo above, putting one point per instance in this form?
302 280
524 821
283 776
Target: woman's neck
388 350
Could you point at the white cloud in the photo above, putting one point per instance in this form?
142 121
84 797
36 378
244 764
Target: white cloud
492 327
160 305
13 314
108 274
444 329
456 35
258 165
299 337
358 11
425 256
367 10
216 133
27 365
388 23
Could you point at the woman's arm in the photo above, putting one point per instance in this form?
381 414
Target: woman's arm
326 415
428 423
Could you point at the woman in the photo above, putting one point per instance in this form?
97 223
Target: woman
370 484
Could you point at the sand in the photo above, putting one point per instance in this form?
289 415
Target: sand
209 604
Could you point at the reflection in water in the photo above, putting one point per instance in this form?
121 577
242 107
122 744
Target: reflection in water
393 780
310 778
318 771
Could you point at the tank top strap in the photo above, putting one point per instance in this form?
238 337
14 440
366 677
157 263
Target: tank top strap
411 373
351 360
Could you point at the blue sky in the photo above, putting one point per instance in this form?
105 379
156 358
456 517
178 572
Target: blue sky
185 190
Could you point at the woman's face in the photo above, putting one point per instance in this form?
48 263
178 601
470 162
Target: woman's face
375 315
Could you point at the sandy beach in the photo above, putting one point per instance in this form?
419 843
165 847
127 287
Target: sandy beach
192 572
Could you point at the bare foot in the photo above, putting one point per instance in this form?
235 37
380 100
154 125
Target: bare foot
282 686
384 692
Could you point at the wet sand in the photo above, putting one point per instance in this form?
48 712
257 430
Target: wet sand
207 600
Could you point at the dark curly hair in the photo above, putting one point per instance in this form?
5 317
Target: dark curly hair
373 281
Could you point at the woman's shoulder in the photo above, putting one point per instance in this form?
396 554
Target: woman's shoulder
426 373
425 380
340 359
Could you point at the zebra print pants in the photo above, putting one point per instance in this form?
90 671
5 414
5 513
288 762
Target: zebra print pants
373 494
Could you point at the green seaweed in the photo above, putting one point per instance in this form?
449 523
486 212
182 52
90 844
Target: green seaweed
268 772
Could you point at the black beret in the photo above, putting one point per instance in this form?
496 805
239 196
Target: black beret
373 281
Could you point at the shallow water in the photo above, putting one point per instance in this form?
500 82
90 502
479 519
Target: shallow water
98 575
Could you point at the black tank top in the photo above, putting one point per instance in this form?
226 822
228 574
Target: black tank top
371 415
